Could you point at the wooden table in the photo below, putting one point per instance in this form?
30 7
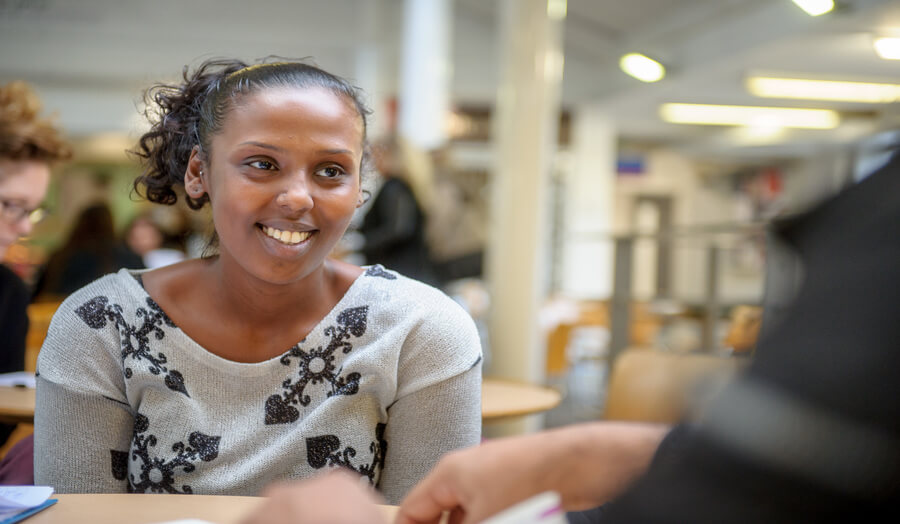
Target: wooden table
16 405
501 399
504 399
147 509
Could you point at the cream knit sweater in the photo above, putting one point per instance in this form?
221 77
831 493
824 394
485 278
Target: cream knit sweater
385 384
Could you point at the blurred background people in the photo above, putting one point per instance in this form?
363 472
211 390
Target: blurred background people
147 240
393 228
90 252
28 147
456 222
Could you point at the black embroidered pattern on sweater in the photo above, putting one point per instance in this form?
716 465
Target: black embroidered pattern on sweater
325 450
157 474
378 271
135 339
317 366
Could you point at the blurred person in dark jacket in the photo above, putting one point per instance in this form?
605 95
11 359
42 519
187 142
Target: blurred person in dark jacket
394 226
29 145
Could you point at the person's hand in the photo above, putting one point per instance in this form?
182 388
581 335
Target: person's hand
336 496
586 464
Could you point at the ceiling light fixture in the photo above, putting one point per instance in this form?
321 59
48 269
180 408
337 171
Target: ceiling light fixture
721 115
864 92
815 7
556 9
888 48
642 67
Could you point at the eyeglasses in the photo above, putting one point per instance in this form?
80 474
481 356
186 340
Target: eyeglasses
13 211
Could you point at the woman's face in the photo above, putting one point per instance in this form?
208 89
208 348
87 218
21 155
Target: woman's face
283 180
23 185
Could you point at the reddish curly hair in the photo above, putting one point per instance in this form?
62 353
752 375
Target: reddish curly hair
23 134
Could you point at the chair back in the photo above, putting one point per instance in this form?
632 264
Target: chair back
39 316
649 385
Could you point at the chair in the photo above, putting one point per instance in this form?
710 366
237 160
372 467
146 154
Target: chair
649 385
743 329
39 316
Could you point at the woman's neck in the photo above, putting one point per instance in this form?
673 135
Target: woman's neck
243 296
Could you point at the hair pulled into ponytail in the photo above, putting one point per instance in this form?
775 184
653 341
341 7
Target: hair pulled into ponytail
174 112
187 115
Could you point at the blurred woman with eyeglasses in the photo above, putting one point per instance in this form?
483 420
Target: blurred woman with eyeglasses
28 147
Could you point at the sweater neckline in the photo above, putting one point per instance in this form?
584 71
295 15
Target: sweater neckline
200 353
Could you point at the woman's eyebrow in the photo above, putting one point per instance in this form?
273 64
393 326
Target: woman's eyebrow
335 152
261 144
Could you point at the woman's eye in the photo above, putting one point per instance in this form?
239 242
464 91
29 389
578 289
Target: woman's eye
330 172
262 164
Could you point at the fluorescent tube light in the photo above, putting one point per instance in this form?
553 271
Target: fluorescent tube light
642 67
865 92
719 115
888 48
815 7
556 9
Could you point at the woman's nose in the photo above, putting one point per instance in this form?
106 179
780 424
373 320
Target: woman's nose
295 195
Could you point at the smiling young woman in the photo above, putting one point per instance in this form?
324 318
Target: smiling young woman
266 360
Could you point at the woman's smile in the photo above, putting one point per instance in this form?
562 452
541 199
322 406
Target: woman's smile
285 242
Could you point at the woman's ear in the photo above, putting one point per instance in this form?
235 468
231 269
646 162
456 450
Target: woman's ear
194 176
363 197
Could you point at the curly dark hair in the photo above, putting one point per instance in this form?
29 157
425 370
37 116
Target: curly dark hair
189 114
23 134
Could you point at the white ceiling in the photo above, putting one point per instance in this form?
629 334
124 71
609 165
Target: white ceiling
91 58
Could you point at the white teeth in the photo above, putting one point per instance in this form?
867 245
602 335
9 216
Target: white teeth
288 237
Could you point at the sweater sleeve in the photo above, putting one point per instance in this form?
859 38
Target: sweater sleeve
438 408
83 420
433 420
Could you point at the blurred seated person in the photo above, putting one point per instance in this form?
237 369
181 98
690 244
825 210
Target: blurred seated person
28 146
90 252
146 239
394 226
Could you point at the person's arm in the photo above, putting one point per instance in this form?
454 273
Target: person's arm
437 404
425 425
81 440
587 464
83 421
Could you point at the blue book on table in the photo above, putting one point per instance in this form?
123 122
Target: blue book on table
10 516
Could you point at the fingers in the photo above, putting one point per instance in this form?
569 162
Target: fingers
436 493
332 497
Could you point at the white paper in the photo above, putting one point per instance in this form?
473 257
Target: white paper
543 508
19 378
21 497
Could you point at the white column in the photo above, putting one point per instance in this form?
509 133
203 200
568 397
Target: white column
425 72
524 136
590 186
366 62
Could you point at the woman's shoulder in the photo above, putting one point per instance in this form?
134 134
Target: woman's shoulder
404 290
419 306
121 287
